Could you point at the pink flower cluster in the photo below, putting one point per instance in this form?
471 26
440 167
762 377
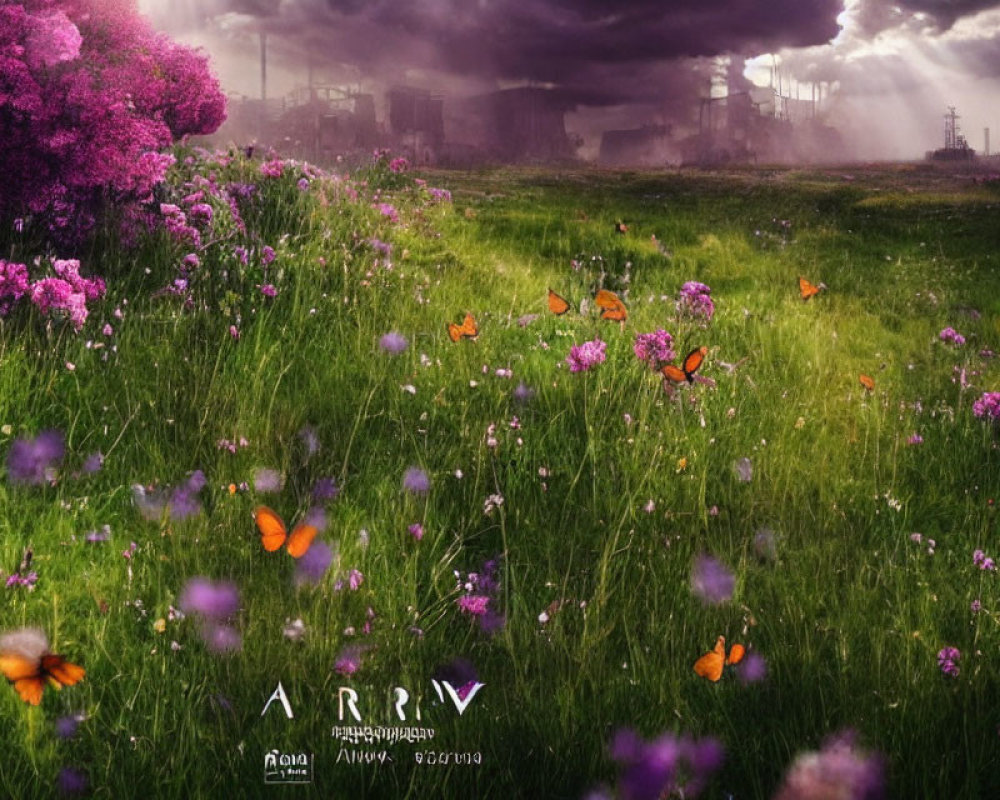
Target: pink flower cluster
654 348
584 356
951 336
67 293
91 94
695 301
983 561
987 406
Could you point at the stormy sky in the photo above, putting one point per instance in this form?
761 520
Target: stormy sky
892 66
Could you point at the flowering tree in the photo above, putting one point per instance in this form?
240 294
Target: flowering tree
88 96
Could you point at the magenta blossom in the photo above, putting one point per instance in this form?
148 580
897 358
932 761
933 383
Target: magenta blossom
987 406
951 336
654 348
584 356
34 460
694 300
948 658
838 770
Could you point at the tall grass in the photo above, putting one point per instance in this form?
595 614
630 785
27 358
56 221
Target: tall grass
610 486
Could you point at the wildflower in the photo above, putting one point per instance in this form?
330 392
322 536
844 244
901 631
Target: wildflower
183 502
523 393
744 470
948 658
987 406
650 507
491 502
399 164
222 638
66 726
582 357
393 343
215 601
654 348
388 210
314 563
751 669
267 254
653 769
952 336
325 489
234 332
694 300
473 604
417 481
294 630
915 438
711 581
267 480
838 770
976 606
349 660
70 780
268 290
355 579
984 562
33 460
416 530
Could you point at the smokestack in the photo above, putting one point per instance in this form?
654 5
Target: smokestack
986 138
263 65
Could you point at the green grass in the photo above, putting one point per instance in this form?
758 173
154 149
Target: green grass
849 615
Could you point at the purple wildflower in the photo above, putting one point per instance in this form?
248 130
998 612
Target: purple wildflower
102 536
417 481
267 480
66 726
523 393
93 463
268 290
948 658
416 530
354 579
987 406
314 563
474 605
951 336
325 489
694 300
393 343
584 356
33 460
652 769
388 210
71 781
751 669
213 601
349 660
711 581
838 770
221 638
654 348
914 439
976 606
983 561
267 254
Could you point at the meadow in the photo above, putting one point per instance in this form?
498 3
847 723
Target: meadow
493 510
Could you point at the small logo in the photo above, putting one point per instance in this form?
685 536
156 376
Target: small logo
287 767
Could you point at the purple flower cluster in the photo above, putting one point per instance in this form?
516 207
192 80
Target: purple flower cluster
694 300
393 343
480 592
439 195
214 604
416 481
983 561
654 348
27 581
664 766
399 164
987 406
584 356
951 336
711 580
948 658
95 94
388 210
34 460
67 293
181 503
838 770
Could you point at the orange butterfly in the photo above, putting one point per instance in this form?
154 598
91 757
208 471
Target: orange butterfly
26 662
867 381
712 663
686 371
273 533
557 305
614 308
468 328
807 289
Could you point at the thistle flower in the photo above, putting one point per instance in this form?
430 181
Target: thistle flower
417 481
584 356
393 343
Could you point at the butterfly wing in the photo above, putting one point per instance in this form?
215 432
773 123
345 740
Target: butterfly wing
736 653
300 540
710 665
60 671
693 360
672 373
807 289
867 381
454 331
25 675
557 304
617 314
469 327
612 306
272 529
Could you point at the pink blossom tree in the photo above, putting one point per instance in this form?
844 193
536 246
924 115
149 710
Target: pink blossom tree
89 97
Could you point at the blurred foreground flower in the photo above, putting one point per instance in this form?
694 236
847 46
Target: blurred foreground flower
711 580
214 604
34 460
839 771
417 481
664 767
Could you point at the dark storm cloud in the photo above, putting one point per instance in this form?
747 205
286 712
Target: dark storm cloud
594 52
